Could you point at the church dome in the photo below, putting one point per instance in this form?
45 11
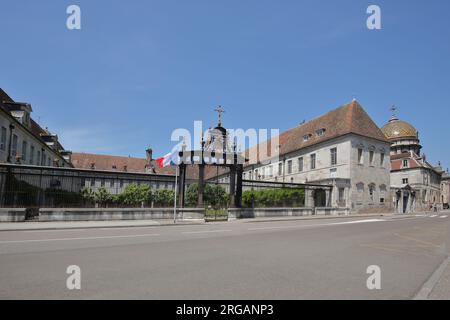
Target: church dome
397 129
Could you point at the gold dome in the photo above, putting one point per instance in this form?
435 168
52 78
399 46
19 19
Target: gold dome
397 129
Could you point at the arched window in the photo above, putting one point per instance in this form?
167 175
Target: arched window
372 193
383 193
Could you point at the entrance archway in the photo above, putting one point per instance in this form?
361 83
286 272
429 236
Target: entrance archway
320 198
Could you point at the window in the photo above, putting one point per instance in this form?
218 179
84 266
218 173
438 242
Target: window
333 153
306 137
405 163
289 166
14 145
341 197
38 158
256 175
92 182
270 171
31 154
49 163
313 161
371 193
371 154
360 190
382 159
382 193
24 150
360 156
3 139
320 132
405 181
280 169
300 164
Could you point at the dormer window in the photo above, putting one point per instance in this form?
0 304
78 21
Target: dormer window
306 137
320 132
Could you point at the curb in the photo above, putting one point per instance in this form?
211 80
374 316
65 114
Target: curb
180 223
247 220
432 281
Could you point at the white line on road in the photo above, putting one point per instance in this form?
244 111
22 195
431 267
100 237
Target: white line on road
84 238
318 225
209 231
433 216
443 216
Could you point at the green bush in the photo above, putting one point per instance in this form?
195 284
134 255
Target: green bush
135 195
213 195
280 197
163 197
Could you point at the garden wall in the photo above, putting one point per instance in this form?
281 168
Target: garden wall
245 213
102 214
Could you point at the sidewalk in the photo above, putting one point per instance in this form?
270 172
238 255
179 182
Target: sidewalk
61 225
441 290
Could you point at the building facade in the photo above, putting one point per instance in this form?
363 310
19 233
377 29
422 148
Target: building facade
115 173
445 190
415 183
23 141
343 148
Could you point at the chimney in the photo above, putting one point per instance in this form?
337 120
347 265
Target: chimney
149 155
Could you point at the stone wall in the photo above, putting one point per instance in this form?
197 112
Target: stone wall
235 213
104 214
12 215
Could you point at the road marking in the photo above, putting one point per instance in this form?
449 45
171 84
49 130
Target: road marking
433 216
209 231
417 240
443 217
83 238
420 215
318 225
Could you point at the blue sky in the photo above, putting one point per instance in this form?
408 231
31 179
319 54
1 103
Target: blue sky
139 69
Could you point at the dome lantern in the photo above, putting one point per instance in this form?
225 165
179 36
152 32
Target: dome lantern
402 135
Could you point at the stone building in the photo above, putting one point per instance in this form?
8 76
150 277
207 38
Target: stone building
415 183
343 148
445 190
23 141
115 173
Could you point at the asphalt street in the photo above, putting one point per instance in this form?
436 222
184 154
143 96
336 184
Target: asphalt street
304 259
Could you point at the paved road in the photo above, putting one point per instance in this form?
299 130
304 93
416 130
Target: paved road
309 259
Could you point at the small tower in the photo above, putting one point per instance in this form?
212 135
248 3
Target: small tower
402 135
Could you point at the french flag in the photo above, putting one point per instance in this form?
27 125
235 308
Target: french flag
169 159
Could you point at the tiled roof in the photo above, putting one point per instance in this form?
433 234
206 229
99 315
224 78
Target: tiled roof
414 161
117 163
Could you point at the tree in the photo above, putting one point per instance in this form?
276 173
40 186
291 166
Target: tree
102 197
88 195
213 195
135 195
163 197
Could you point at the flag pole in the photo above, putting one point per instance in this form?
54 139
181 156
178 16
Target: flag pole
175 198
